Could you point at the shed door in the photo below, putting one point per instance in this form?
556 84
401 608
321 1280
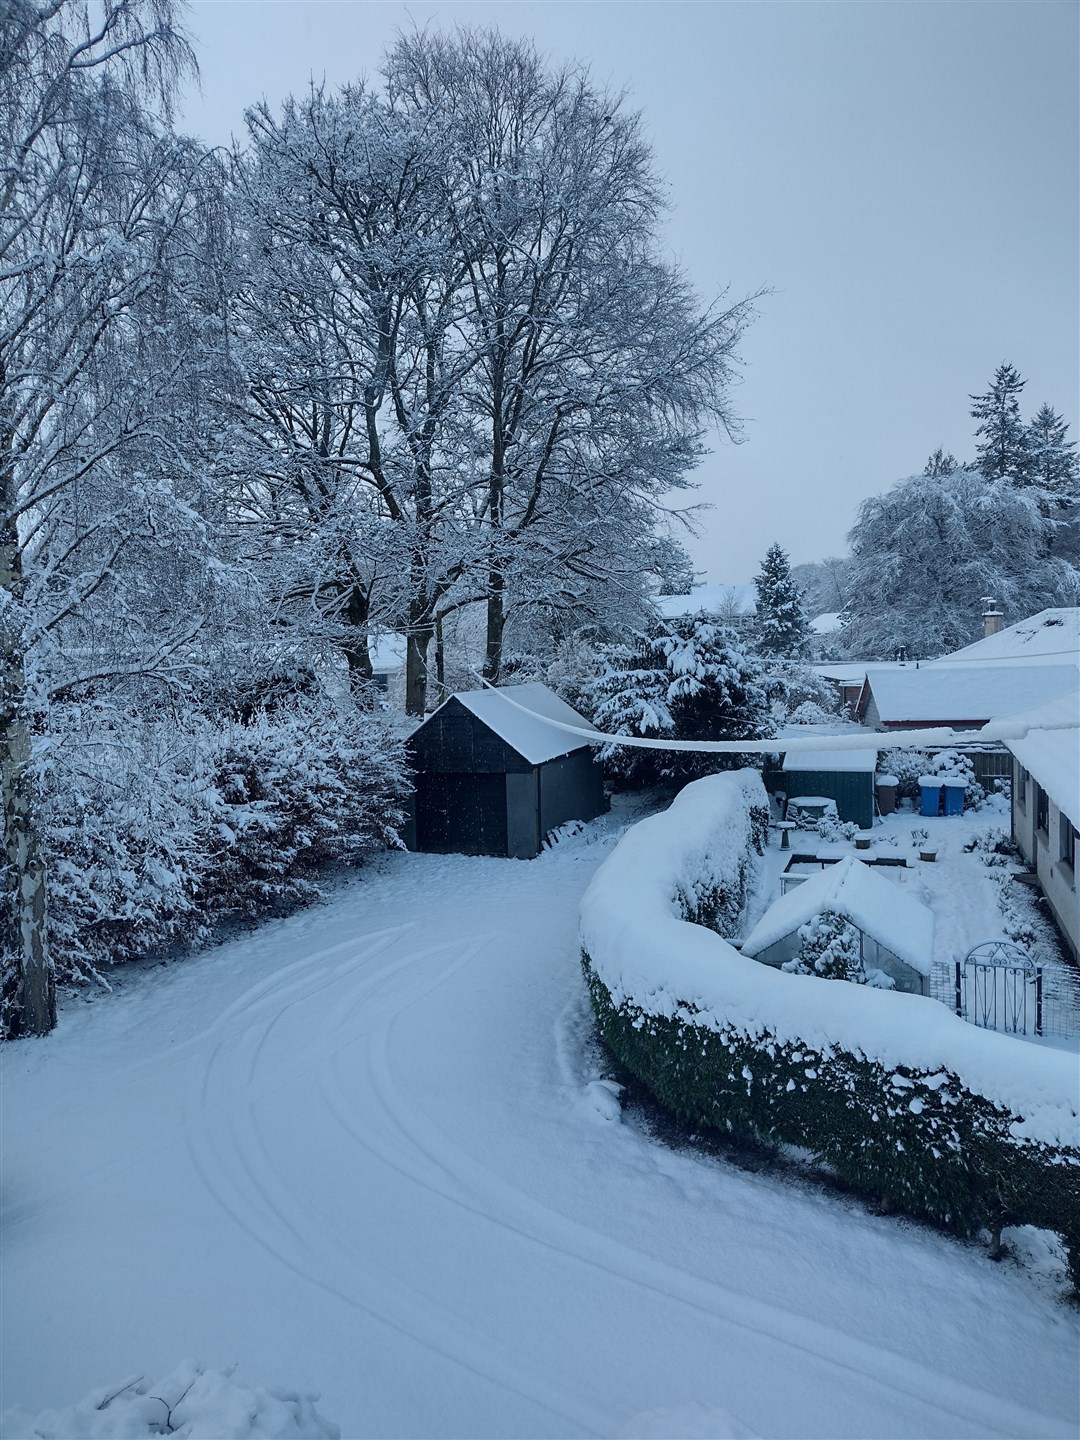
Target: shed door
461 814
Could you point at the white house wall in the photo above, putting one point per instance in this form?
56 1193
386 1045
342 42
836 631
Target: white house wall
1042 849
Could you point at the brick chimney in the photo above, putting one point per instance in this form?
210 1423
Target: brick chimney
993 618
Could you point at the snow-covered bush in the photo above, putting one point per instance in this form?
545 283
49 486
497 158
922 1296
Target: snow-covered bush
192 1403
690 680
157 830
830 947
831 827
907 766
810 713
797 694
902 1098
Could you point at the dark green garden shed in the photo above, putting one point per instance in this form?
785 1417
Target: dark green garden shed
493 775
846 776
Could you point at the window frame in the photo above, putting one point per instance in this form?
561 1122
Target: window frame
1042 810
1066 842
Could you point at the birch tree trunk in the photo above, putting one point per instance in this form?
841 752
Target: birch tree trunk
29 990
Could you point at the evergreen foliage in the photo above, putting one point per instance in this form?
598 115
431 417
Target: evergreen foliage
1001 439
781 627
1052 460
156 833
919 1141
940 463
830 947
689 680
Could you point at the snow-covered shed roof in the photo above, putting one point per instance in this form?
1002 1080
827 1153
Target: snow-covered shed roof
826 624
533 740
1052 637
877 906
940 693
1052 756
721 600
848 760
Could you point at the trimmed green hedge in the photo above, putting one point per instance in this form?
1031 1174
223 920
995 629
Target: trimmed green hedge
917 1140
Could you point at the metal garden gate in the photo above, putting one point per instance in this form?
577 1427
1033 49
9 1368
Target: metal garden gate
1000 987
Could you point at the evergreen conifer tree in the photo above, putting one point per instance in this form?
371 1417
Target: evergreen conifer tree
1001 440
782 627
1052 458
940 463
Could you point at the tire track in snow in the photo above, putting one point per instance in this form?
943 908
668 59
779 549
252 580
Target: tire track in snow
478 1189
301 982
237 1168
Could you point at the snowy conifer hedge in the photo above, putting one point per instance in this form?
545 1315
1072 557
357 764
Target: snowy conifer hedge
905 1101
157 830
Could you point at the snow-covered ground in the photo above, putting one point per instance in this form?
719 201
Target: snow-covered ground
369 1151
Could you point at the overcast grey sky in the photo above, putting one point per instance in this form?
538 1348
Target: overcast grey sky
904 178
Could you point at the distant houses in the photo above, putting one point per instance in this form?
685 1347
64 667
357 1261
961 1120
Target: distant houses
963 696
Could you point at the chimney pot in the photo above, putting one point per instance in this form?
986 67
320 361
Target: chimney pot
993 618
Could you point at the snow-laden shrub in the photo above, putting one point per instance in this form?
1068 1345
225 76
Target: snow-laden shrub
798 694
902 1098
157 831
907 766
192 1403
830 947
831 827
689 680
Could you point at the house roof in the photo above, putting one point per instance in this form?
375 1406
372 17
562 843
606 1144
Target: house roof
853 672
877 906
721 600
1052 756
826 624
846 760
1052 637
528 734
941 694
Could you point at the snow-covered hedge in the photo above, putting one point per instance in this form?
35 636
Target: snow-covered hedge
157 831
902 1098
192 1403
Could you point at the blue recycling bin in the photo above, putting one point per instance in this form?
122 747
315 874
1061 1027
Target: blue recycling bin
954 796
929 795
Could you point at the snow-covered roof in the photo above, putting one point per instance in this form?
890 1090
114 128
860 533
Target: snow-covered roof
826 624
1052 756
721 600
943 693
854 672
1050 638
877 906
860 760
387 653
533 740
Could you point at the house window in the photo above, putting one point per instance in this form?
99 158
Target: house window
1042 810
1021 787
1067 834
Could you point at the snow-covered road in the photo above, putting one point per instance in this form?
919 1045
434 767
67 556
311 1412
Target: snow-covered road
367 1151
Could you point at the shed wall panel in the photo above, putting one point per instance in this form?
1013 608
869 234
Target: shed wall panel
852 791
571 788
523 833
